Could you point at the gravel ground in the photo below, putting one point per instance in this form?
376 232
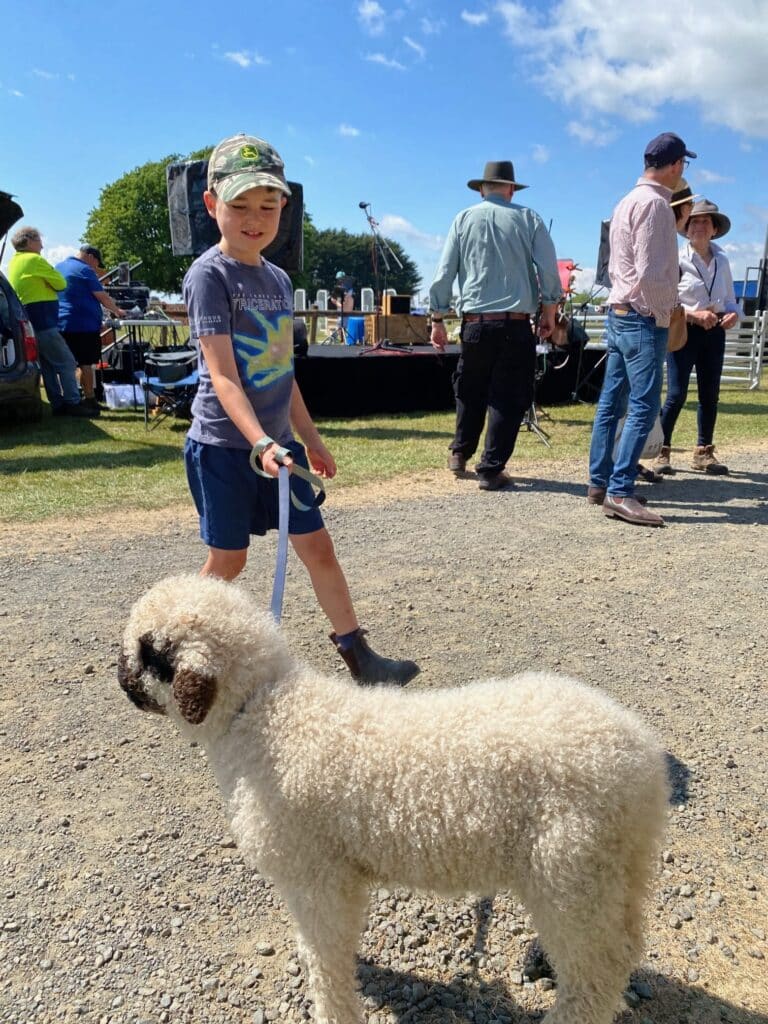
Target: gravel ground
124 900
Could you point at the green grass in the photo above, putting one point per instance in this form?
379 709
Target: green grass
69 467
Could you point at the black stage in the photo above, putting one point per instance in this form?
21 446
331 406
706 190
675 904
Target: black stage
352 380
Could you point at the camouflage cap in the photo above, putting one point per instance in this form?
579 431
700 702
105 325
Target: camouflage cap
242 162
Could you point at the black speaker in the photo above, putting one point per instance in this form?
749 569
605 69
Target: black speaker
396 305
603 255
193 230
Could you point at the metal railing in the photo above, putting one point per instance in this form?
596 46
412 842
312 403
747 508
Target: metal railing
746 350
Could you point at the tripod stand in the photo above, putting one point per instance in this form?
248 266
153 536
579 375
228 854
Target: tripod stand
338 335
532 417
381 248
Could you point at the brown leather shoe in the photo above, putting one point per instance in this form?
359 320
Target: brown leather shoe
631 511
596 496
456 462
495 483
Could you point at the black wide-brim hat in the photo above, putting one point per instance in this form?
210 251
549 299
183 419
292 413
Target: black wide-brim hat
497 172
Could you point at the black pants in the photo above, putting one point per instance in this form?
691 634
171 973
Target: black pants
495 374
706 351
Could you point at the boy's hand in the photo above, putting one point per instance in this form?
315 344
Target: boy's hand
270 465
321 461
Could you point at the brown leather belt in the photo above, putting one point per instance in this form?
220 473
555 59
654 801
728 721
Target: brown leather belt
478 318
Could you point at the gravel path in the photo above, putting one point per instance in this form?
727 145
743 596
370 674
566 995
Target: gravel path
123 899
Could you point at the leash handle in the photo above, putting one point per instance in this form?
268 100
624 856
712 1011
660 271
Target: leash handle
279 455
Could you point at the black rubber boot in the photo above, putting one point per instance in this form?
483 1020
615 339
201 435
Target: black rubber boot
370 669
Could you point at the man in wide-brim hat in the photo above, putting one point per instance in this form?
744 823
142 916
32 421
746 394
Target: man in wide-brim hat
504 262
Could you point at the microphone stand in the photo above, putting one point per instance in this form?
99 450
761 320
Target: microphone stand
384 250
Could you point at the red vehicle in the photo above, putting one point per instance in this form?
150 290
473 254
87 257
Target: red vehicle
20 397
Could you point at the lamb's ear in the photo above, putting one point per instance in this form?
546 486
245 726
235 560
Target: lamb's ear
194 694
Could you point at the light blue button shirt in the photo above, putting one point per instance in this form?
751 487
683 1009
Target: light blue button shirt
504 259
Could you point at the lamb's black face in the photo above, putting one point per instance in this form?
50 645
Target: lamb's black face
158 662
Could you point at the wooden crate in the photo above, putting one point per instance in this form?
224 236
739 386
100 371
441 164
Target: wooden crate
400 329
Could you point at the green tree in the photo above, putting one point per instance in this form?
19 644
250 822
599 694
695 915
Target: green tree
131 223
332 251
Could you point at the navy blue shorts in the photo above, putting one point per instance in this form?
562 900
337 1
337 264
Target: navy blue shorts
233 502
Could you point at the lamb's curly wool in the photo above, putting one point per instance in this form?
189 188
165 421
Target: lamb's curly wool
534 783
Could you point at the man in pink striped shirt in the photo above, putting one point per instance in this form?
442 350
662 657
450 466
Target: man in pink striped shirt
644 273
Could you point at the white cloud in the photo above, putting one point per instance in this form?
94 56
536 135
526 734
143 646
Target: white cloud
310 160
245 58
540 153
432 26
711 177
348 130
371 16
601 57
44 74
387 62
471 18
593 134
416 47
56 253
394 226
741 256
15 92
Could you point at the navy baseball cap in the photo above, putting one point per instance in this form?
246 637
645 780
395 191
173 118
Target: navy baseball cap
91 250
666 148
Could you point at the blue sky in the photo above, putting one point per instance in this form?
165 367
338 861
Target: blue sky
393 103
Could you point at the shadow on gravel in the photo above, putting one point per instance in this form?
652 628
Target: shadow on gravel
416 1000
695 498
685 497
678 780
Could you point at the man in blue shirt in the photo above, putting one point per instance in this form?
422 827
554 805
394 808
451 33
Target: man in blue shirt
506 266
80 314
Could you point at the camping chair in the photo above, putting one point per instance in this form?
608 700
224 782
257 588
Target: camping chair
169 382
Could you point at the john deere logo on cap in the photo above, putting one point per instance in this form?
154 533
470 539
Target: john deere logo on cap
250 153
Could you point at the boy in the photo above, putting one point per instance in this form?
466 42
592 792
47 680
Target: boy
241 313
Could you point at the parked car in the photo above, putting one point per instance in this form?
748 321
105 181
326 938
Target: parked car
19 367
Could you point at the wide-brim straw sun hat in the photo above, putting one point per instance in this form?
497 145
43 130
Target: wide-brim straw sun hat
682 194
497 172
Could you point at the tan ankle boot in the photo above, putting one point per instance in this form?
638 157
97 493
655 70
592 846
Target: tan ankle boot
704 459
661 463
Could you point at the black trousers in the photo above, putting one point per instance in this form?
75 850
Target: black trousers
706 351
495 375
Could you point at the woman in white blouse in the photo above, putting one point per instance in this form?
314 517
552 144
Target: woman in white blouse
706 293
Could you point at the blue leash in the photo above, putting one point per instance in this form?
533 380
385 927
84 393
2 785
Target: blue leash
284 497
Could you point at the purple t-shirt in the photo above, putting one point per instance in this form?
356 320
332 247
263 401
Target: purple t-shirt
253 306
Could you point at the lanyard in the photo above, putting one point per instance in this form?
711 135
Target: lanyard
714 277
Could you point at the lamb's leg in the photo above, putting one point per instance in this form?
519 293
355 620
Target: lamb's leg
330 918
593 942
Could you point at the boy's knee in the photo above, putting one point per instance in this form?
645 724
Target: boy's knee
226 565
315 548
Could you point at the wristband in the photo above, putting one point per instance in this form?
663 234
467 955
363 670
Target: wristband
280 454
261 445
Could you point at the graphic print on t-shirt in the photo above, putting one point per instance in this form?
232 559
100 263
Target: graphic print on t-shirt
265 355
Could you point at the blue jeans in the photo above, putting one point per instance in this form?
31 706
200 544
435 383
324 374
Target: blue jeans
633 374
705 350
58 366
